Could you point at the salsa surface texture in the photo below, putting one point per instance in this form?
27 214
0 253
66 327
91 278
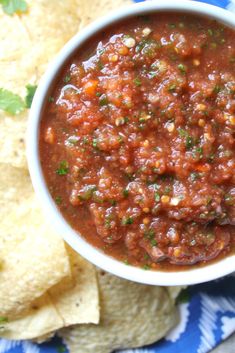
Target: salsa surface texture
137 141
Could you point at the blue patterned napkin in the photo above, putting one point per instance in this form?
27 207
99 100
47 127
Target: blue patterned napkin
207 311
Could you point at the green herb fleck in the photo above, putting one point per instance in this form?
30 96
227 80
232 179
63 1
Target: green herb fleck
31 89
58 200
172 88
182 68
199 151
183 297
146 267
153 242
149 234
113 202
125 193
67 79
103 101
157 197
87 192
63 168
217 89
127 220
100 65
95 143
189 142
98 94
210 32
3 320
182 132
61 349
167 189
13 6
85 140
137 81
126 262
50 99
11 103
194 176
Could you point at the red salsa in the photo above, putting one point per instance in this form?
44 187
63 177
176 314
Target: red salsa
137 141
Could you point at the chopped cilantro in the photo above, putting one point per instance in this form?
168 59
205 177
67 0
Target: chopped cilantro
85 140
217 89
107 223
113 202
183 296
149 234
94 143
189 142
11 103
87 192
100 65
103 101
199 151
146 267
194 176
58 200
127 220
182 132
126 262
157 197
153 242
61 349
182 68
167 189
137 81
210 32
13 6
98 94
67 79
125 193
172 88
31 89
63 168
50 99
3 320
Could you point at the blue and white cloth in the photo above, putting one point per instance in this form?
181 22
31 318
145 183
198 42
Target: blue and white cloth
206 319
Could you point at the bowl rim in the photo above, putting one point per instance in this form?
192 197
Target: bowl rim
73 238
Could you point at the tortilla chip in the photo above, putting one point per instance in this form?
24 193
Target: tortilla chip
33 258
74 300
132 315
36 37
78 303
40 319
175 291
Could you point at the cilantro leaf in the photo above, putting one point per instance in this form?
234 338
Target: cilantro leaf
13 6
61 349
11 103
183 297
31 89
63 168
3 320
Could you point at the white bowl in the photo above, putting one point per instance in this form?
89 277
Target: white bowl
185 277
